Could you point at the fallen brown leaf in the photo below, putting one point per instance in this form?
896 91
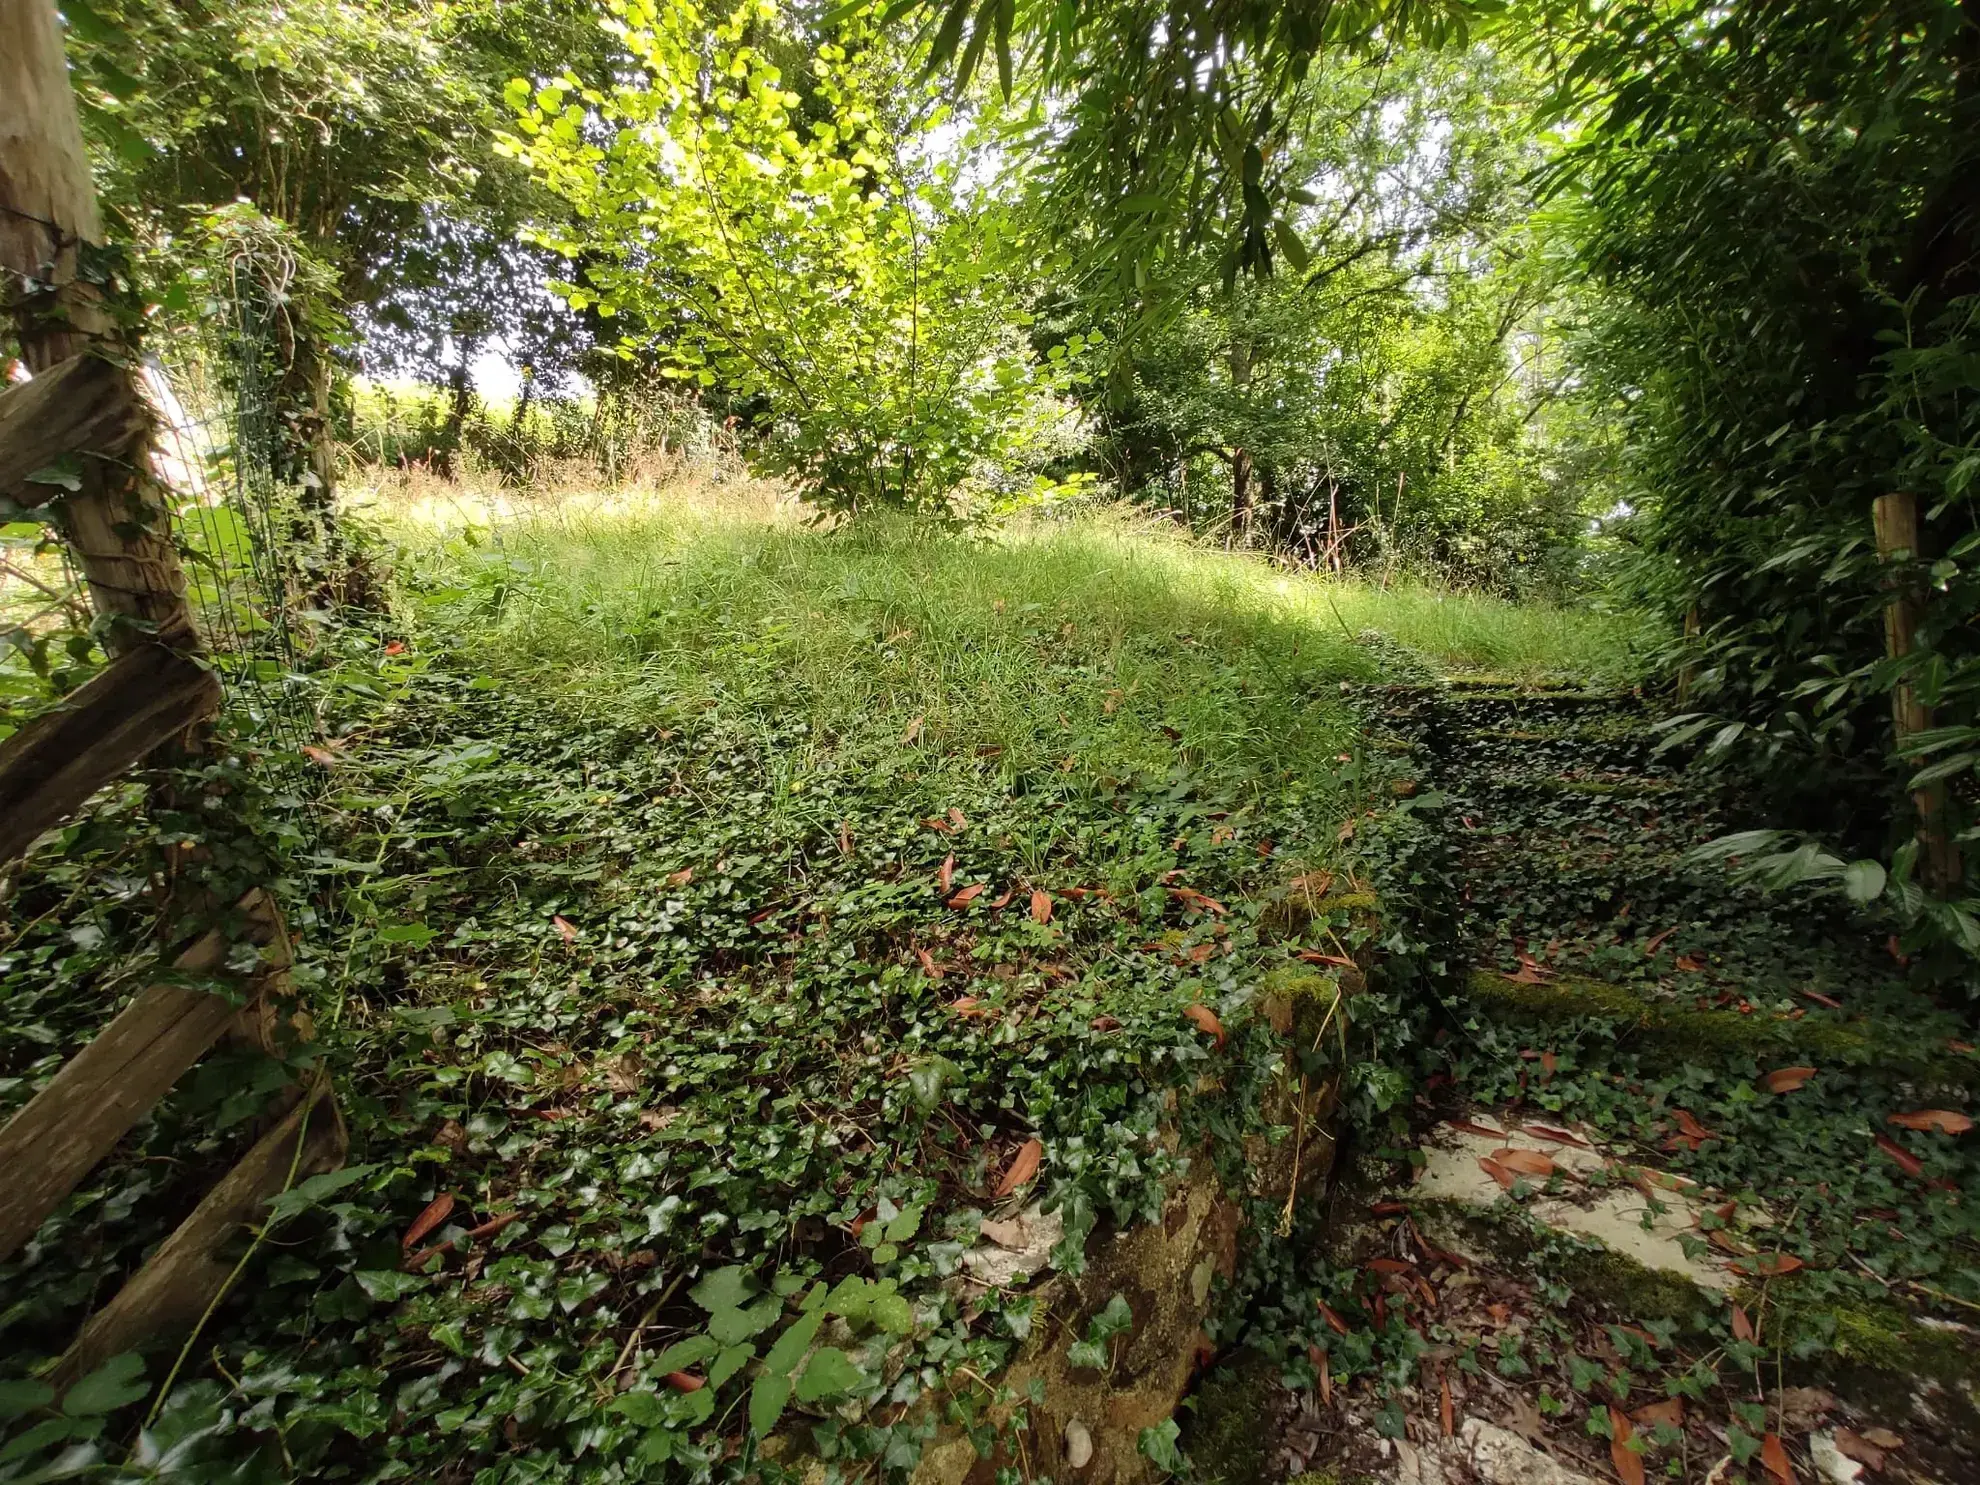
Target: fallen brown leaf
945 875
1496 1171
436 1212
1330 1317
1773 1454
1669 1411
1558 1136
1690 1131
1786 1079
1852 1445
1023 1166
965 897
1206 1021
1628 1463
686 1381
1742 1324
492 1226
1530 972
913 730
1907 1162
1446 1414
1190 897
565 927
1526 1162
1041 907
1945 1121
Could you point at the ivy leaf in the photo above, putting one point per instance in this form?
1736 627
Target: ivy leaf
827 1374
724 1289
684 1354
734 1326
766 1402
119 1381
792 1344
23 1397
1158 1445
729 1363
926 1079
642 1409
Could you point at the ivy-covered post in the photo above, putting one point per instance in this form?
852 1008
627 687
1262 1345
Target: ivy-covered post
1895 518
49 236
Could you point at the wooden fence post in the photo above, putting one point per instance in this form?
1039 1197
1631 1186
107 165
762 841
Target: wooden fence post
83 404
119 529
1895 518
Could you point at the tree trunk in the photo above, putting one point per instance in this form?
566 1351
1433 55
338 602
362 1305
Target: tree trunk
1895 522
1241 461
1241 495
304 456
461 390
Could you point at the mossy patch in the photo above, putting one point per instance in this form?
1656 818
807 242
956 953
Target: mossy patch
1619 1284
1627 1288
1707 1035
1226 1431
1301 1002
1317 897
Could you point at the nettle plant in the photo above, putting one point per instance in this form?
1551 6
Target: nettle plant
818 253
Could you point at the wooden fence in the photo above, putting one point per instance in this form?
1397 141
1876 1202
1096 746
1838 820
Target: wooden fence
83 410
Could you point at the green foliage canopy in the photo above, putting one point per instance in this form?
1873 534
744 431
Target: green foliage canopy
804 249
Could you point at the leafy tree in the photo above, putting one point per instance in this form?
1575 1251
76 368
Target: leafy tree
816 256
1384 394
1167 126
360 129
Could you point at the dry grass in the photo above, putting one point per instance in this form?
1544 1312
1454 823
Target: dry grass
669 485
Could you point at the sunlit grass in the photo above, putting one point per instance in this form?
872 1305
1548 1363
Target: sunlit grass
1107 643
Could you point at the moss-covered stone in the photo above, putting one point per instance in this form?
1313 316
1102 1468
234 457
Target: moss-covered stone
1877 1355
1227 1432
1314 897
1300 1002
1617 1283
1628 1289
1604 788
1706 1035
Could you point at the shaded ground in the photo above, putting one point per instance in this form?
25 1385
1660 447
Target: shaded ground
1746 1093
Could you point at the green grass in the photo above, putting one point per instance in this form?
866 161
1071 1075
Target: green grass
1057 641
